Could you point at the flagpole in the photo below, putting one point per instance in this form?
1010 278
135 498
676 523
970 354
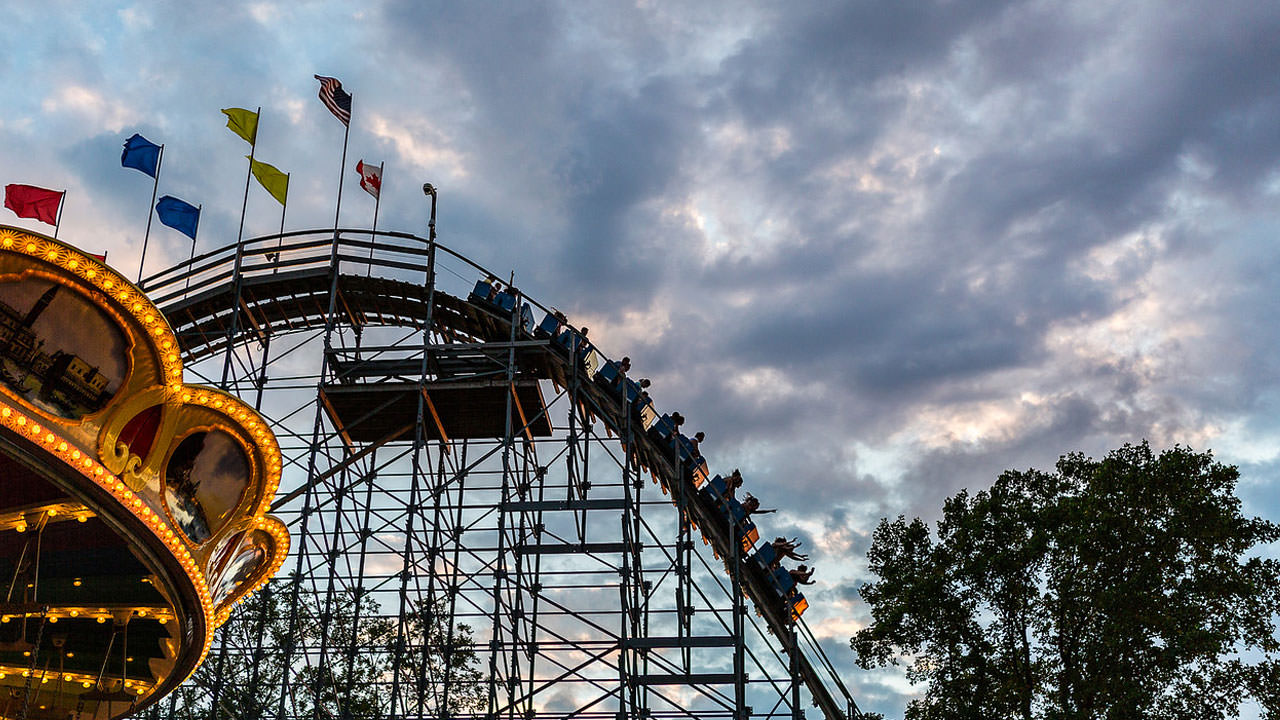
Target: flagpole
377 202
253 148
57 221
195 232
342 171
151 211
280 240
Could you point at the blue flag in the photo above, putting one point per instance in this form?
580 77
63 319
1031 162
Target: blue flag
181 216
141 154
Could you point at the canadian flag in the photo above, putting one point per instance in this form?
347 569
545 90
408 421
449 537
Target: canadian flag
370 178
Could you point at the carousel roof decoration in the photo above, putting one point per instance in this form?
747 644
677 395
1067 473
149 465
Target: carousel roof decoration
133 506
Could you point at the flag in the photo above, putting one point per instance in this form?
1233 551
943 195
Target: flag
181 216
243 123
370 178
141 154
29 201
274 181
335 98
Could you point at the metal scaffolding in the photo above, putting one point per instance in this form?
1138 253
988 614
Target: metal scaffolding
483 528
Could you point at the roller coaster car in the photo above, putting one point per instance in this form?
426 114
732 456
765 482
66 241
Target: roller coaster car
661 430
481 293
694 468
608 376
714 496
642 408
798 605
764 557
548 328
573 344
503 302
778 580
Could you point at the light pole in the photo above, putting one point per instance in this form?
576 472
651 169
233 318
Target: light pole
430 190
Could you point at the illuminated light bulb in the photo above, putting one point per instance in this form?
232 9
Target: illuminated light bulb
67 677
86 683
70 654
26 673
74 613
20 527
53 512
128 659
43 680
82 518
102 618
53 618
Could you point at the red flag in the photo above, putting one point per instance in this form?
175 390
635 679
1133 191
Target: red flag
29 201
370 178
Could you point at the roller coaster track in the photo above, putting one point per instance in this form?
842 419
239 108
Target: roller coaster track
280 284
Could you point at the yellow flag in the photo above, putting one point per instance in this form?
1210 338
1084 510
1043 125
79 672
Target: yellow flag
274 181
243 123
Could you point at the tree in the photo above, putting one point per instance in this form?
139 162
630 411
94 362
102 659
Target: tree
346 661
1117 588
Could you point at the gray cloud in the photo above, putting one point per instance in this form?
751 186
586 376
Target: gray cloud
886 250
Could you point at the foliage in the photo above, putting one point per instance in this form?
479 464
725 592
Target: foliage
346 659
1118 588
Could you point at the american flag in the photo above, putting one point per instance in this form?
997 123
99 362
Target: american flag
335 98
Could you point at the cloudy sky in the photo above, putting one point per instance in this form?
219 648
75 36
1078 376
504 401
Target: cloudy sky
877 251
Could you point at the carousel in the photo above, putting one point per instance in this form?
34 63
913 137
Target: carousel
133 506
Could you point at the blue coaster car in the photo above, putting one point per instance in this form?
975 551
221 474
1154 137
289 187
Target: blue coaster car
782 582
504 301
662 430
763 557
481 292
573 343
608 374
548 328
715 489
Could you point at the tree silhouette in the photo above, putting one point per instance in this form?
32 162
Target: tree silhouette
346 660
1117 588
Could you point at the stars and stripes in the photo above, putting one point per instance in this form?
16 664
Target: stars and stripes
335 98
